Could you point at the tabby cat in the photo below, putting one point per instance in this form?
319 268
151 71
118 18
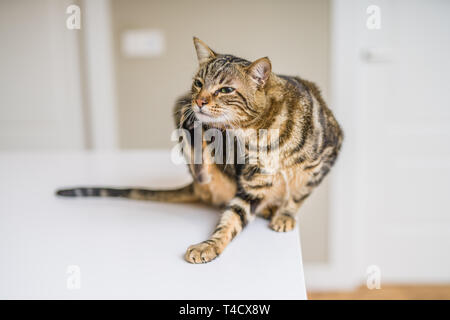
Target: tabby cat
232 93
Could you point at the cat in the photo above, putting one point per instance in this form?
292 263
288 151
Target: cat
232 93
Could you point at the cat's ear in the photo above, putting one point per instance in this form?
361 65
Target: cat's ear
259 71
204 53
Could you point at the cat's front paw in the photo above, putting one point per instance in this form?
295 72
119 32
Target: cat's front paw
202 252
282 223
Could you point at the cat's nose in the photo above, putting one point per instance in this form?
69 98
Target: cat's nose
201 101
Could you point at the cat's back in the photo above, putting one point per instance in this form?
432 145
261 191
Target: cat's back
316 116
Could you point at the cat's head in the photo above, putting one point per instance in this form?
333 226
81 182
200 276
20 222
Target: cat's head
227 89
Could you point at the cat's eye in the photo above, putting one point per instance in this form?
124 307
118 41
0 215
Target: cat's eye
226 90
198 83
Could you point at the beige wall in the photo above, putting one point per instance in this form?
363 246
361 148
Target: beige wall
293 34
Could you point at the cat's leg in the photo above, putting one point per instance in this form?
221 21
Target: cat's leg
285 217
184 194
235 217
268 212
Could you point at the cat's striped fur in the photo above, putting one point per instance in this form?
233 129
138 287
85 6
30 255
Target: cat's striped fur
306 148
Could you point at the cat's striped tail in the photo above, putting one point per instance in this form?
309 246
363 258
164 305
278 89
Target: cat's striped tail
184 194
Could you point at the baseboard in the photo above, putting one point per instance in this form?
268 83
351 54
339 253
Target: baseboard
324 277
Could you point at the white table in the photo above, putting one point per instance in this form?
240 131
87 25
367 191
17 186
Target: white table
126 249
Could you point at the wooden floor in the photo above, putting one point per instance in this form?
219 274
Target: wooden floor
388 292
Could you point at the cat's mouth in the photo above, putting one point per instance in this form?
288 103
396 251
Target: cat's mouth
201 115
204 115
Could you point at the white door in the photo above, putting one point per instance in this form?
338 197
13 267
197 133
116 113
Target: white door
404 96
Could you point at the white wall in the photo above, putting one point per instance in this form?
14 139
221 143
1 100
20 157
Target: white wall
40 96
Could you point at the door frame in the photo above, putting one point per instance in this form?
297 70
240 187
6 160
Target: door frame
99 75
344 270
